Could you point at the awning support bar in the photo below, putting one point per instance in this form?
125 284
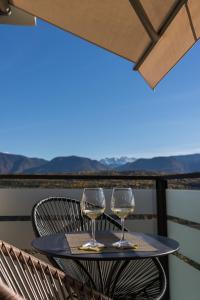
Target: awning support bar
138 8
170 18
191 23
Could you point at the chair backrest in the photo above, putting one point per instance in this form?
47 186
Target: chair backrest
24 276
60 214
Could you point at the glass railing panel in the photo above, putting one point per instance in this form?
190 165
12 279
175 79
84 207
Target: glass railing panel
17 203
184 280
183 210
189 239
184 204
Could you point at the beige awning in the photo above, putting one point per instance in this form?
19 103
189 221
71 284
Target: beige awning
154 34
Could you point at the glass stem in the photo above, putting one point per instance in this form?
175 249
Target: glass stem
93 230
122 223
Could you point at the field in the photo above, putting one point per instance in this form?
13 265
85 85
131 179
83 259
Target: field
108 183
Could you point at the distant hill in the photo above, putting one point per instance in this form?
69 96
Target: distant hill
171 164
68 164
12 163
190 162
114 162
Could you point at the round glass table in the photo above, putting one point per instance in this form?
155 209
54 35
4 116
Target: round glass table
105 270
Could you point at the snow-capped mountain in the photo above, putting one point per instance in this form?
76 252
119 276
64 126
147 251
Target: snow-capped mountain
114 162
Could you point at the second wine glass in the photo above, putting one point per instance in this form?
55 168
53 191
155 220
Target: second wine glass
93 205
122 205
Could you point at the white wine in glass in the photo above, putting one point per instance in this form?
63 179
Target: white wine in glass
93 206
122 213
93 214
122 205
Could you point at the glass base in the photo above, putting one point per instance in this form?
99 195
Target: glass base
93 245
124 244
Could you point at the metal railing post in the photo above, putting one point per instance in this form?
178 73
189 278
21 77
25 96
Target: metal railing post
161 186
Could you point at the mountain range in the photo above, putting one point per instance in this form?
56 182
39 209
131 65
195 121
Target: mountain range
166 164
68 164
16 164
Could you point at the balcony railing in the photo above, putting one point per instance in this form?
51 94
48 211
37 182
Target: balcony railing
159 209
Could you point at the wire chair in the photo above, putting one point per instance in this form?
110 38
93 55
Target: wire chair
139 279
23 276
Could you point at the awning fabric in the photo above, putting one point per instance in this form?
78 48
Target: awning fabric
154 34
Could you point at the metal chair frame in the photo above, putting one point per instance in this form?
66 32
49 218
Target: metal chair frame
136 279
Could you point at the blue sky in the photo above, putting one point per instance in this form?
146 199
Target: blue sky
63 96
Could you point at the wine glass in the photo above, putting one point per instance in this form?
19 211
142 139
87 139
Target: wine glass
122 205
93 205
